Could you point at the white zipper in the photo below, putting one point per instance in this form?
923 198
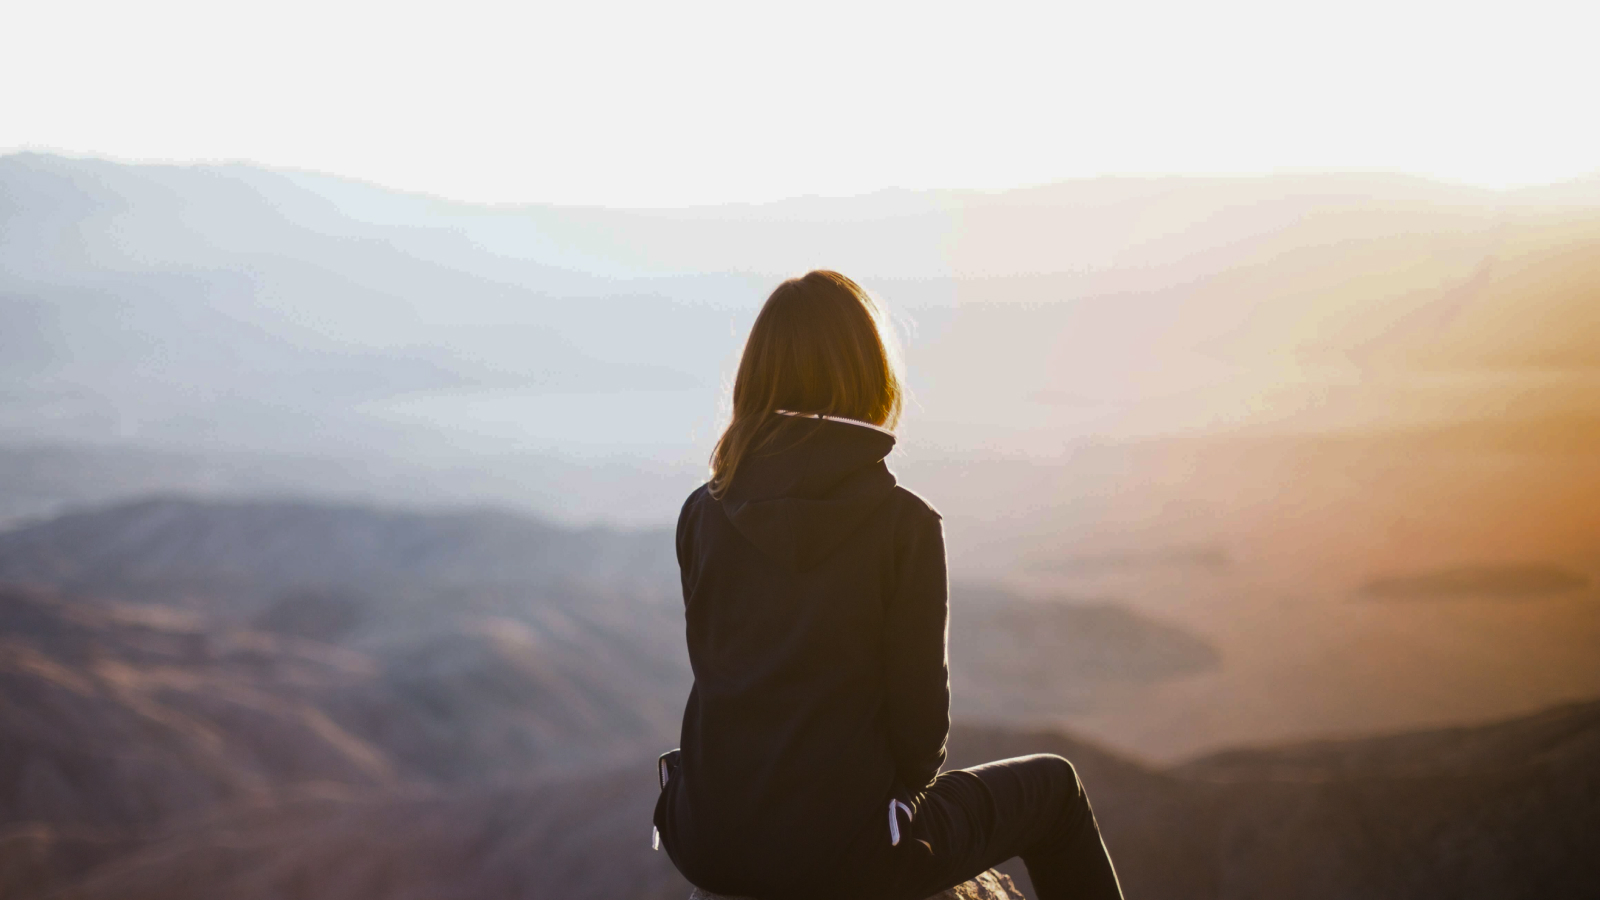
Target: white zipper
842 419
894 821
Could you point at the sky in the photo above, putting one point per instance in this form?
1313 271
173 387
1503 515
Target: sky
639 104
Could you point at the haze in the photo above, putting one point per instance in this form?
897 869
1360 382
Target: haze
639 104
355 362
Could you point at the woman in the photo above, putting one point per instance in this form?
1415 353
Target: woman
816 600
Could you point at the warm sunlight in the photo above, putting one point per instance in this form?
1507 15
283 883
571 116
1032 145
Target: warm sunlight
811 451
647 104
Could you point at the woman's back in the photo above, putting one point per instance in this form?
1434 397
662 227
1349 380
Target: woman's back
815 605
816 600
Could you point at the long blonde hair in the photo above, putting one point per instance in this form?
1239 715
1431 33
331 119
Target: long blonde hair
820 346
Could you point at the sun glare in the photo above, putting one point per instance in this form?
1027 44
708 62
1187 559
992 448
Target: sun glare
636 104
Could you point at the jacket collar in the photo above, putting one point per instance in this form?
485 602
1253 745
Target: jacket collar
842 419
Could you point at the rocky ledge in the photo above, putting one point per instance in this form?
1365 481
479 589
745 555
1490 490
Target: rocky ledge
991 885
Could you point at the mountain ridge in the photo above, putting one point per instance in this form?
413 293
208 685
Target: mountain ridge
474 744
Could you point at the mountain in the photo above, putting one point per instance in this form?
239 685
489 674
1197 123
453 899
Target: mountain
126 716
1504 810
1018 660
122 723
283 676
380 580
454 645
274 697
492 641
1167 651
578 837
447 646
231 308
237 711
1332 379
239 551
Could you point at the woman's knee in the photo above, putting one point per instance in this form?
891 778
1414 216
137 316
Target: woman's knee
1059 774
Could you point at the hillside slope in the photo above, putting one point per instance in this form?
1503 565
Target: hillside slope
1505 810
1467 814
247 552
425 590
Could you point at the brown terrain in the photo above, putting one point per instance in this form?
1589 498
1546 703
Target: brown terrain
317 741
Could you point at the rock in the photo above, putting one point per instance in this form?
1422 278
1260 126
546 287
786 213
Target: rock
990 885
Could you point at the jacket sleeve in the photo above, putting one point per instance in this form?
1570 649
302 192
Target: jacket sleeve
918 668
684 545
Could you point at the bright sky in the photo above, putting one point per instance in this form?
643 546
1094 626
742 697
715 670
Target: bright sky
651 103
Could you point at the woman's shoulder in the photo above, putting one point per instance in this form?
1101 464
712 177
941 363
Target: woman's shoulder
908 501
901 498
696 498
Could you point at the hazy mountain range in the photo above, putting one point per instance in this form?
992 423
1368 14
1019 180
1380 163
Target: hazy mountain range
290 700
334 520
228 676
229 308
453 593
1318 382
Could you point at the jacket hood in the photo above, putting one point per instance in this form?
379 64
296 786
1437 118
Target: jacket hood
798 503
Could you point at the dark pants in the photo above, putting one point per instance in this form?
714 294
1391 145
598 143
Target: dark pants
972 819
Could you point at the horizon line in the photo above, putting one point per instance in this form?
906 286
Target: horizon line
1287 172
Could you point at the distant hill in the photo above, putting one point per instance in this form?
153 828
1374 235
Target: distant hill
120 722
236 308
1019 660
367 577
1501 811
169 661
1505 810
373 703
235 712
252 551
576 838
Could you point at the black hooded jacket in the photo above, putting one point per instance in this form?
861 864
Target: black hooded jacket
816 603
